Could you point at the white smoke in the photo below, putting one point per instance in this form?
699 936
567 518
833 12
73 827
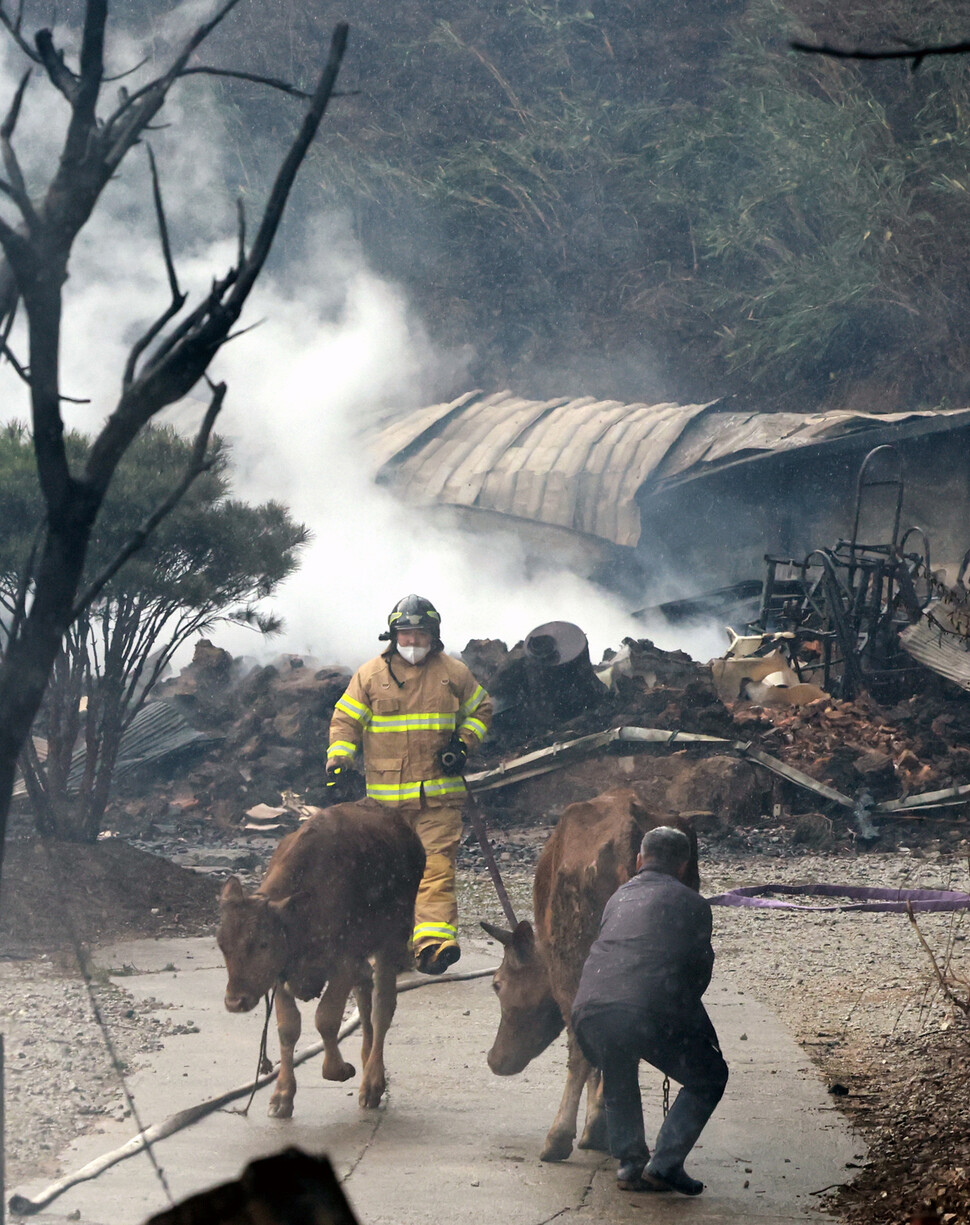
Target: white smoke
337 347
304 388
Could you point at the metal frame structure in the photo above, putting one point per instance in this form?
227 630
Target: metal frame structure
844 606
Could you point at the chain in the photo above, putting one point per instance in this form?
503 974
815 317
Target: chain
666 1092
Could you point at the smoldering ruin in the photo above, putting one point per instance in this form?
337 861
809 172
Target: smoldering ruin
255 761
635 339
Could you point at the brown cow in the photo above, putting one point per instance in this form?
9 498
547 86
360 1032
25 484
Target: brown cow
590 853
338 891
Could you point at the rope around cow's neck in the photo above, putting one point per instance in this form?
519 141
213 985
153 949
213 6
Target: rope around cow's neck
263 1065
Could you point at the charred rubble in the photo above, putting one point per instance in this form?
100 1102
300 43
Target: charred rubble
269 729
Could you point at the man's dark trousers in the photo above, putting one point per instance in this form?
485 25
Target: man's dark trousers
683 1048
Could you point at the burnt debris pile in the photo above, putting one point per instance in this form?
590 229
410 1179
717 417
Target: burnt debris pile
267 729
543 695
270 723
917 745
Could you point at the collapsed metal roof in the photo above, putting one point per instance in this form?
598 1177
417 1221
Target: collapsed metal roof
157 732
578 463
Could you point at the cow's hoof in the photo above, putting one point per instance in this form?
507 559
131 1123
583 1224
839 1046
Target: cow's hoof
595 1136
338 1070
370 1095
557 1147
280 1108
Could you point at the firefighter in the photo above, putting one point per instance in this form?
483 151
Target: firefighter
416 713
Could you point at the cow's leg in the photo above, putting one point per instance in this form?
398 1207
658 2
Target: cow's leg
373 1082
559 1141
330 1012
288 1024
596 1134
364 993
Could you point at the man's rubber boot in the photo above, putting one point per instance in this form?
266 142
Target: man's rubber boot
629 1175
675 1180
436 958
678 1133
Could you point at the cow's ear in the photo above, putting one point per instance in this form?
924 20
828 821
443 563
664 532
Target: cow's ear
498 933
523 942
232 891
644 816
288 907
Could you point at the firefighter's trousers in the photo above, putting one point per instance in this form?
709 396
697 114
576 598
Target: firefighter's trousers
436 908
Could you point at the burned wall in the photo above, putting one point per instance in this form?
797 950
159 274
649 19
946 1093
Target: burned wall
716 529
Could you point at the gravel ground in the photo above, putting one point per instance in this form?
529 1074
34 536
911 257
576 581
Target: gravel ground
856 989
59 1077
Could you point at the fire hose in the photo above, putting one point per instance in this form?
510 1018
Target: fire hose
862 897
21 1205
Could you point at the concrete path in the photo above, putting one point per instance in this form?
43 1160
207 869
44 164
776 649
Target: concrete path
451 1142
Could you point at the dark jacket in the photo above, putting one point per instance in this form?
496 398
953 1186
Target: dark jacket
653 954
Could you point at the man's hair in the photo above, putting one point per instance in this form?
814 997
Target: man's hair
665 847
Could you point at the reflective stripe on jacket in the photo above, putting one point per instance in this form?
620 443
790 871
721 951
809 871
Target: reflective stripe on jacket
402 729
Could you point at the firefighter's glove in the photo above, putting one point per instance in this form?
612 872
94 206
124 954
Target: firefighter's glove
453 756
338 780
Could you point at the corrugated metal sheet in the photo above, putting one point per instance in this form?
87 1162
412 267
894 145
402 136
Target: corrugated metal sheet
156 732
579 463
572 463
933 644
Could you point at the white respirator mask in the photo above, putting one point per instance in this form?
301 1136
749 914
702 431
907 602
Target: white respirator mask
413 655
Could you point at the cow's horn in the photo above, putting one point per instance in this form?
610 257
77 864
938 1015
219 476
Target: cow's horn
232 891
498 933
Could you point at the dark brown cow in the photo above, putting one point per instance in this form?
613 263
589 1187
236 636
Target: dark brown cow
338 891
590 853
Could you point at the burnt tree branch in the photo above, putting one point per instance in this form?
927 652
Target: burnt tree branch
13 26
284 87
178 298
198 463
916 54
58 73
181 358
166 80
34 271
16 187
235 74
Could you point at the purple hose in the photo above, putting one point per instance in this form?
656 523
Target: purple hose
894 900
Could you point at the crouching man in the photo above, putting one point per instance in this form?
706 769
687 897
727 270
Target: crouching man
640 998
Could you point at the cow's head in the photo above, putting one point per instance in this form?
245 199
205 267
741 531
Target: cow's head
252 937
531 1018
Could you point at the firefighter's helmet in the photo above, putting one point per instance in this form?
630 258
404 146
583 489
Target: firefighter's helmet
414 612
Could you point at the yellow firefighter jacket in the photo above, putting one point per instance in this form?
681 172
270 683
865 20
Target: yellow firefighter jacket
402 728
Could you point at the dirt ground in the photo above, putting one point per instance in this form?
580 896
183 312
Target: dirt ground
101 893
857 990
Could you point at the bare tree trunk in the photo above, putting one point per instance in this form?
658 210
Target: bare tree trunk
97 799
64 696
163 366
30 656
37 792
